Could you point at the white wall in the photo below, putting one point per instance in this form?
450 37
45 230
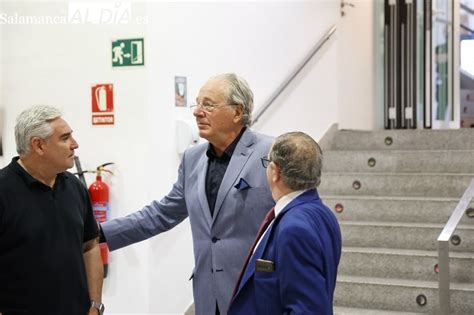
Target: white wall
359 104
262 41
2 114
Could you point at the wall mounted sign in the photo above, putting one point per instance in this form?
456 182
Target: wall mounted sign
103 104
180 91
128 52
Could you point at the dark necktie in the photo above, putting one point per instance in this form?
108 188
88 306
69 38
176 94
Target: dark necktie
263 227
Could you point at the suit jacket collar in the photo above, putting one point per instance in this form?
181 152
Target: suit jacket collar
307 196
202 166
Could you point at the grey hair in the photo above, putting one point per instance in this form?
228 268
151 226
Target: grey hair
34 122
238 92
299 158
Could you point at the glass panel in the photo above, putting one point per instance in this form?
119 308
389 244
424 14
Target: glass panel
441 28
467 63
420 69
442 61
467 81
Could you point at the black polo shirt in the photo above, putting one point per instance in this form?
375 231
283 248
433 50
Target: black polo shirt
42 231
216 168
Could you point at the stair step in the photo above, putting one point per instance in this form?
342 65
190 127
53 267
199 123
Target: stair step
391 223
459 139
403 235
399 295
404 264
393 209
395 184
413 161
361 311
465 287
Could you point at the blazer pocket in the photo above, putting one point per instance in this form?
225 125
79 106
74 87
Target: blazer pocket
267 289
264 275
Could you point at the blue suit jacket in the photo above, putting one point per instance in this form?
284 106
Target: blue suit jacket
304 243
220 242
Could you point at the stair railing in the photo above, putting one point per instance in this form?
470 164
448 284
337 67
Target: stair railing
293 74
443 249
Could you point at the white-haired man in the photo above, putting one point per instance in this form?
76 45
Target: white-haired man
221 187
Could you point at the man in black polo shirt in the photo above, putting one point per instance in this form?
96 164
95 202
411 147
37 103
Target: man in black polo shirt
49 254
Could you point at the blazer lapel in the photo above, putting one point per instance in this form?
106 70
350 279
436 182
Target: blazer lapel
202 166
250 268
307 196
239 158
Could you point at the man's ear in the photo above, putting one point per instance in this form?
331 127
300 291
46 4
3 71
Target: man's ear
239 113
37 145
275 172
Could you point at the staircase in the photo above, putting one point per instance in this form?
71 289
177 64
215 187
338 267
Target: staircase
393 191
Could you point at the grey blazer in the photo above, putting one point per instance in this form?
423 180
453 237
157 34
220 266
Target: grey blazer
221 242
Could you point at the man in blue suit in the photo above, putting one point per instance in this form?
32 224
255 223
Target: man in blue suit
221 187
292 268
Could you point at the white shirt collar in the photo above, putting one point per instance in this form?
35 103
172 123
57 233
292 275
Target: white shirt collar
286 199
280 204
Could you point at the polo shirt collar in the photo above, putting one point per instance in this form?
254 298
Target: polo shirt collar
30 180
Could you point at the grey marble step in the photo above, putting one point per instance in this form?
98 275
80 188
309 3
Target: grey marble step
399 295
459 139
412 161
364 311
395 184
404 264
392 209
400 235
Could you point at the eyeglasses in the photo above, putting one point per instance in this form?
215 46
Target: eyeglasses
208 108
265 162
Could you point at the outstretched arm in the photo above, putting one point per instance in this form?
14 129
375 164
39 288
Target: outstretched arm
153 219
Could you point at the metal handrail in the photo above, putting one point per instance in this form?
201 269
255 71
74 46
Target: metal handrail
466 28
293 74
443 249
466 8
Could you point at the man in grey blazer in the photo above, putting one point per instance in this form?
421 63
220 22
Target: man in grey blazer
221 186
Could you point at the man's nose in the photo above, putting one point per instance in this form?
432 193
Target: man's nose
74 144
198 112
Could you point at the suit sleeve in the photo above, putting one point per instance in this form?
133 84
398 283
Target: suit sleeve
300 267
155 218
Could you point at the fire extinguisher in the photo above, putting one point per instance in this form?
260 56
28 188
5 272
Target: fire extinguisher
99 194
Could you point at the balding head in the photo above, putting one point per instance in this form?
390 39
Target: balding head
299 159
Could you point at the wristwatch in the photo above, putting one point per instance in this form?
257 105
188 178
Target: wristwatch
99 306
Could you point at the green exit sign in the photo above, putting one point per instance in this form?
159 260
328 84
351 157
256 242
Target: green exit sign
128 52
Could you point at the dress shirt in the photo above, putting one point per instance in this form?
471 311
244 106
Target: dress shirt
217 166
